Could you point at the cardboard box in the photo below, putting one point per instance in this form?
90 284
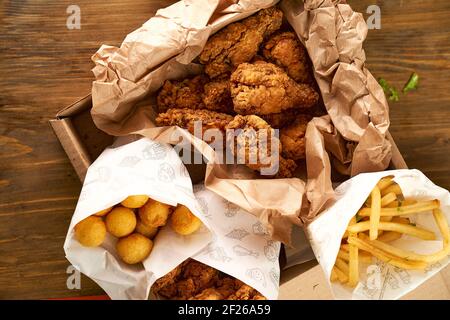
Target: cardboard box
83 142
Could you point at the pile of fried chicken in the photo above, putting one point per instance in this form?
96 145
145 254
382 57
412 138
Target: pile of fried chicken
193 280
257 75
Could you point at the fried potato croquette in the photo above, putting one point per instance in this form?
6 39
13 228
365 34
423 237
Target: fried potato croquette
239 42
286 51
184 222
186 93
134 202
185 118
149 232
120 222
90 232
134 248
292 138
103 212
154 213
263 88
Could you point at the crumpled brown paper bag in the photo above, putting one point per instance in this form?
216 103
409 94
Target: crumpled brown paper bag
128 77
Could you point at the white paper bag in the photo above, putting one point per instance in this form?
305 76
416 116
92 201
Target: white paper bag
378 280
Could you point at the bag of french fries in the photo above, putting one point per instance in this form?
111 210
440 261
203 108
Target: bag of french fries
385 234
138 218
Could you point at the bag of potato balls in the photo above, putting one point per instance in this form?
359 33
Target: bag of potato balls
138 218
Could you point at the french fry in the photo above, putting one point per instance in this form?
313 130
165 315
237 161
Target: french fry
421 206
386 257
408 255
333 276
343 278
401 220
395 188
362 256
341 265
385 182
345 247
386 219
375 208
392 226
388 199
353 265
390 236
394 204
442 224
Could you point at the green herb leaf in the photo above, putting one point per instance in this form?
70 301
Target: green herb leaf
412 83
389 90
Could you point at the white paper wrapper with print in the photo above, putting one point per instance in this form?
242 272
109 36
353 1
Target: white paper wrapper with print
241 246
139 167
378 280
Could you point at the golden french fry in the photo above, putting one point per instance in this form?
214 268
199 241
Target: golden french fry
398 227
333 276
353 265
421 206
388 199
408 255
386 257
345 247
441 221
389 236
343 278
385 182
375 208
393 204
395 188
401 220
386 219
363 256
341 265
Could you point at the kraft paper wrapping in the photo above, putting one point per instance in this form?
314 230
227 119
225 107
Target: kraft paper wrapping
127 79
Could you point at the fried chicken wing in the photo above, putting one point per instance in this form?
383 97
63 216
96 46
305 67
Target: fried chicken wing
245 292
286 51
292 138
202 275
166 285
217 96
239 42
186 93
263 88
185 118
253 141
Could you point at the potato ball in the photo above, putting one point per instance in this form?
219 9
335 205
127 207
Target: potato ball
184 222
135 201
90 232
103 212
154 214
134 248
149 232
120 222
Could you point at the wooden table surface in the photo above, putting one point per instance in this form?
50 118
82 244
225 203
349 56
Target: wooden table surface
45 66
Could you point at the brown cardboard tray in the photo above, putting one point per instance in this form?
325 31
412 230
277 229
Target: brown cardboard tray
84 142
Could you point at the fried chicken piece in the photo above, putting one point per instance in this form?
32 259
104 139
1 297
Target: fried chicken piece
280 120
245 292
185 118
263 88
217 96
292 138
186 288
165 285
202 275
228 286
259 296
186 93
285 50
286 168
239 42
208 294
253 145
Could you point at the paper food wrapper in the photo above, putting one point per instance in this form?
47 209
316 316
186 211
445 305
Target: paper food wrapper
127 80
378 280
155 169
